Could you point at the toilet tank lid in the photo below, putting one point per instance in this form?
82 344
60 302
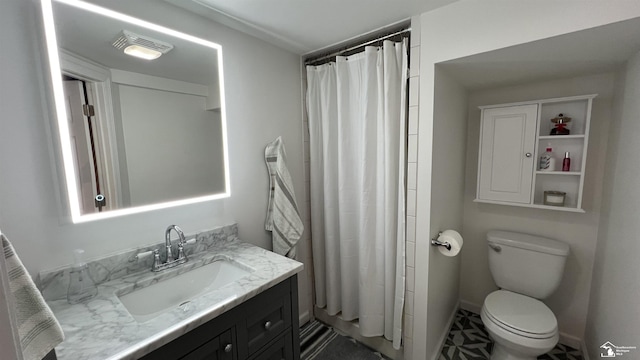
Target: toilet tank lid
529 242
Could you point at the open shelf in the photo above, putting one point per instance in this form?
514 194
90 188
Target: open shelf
560 137
562 173
575 108
535 206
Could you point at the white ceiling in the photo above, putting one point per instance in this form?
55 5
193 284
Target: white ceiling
305 26
596 50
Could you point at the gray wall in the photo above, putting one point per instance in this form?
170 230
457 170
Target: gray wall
501 24
569 303
614 313
173 145
447 193
263 101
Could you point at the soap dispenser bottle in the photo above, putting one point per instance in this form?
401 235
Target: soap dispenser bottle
547 160
81 284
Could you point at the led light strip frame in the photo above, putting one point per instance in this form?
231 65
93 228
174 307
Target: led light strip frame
61 112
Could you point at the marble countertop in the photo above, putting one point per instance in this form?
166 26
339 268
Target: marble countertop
103 329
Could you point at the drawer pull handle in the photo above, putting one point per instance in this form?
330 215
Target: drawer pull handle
267 325
228 348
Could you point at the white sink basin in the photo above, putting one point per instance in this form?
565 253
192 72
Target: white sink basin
153 300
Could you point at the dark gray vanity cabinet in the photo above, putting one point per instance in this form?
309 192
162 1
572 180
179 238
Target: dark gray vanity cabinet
262 328
218 348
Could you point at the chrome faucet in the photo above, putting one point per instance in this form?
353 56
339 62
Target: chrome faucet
170 261
167 241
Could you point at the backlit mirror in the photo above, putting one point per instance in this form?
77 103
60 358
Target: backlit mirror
140 112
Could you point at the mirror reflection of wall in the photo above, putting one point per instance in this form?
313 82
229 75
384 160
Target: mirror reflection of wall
169 150
141 131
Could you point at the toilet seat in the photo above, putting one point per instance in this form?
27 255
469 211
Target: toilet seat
520 315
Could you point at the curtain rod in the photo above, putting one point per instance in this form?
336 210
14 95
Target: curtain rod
319 59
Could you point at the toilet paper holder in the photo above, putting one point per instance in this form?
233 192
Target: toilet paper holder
436 242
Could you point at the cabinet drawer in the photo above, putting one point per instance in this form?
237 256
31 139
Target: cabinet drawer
268 320
279 349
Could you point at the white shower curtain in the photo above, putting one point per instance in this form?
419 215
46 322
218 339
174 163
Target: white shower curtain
357 110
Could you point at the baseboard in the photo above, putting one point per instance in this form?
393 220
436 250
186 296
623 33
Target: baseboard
584 350
469 306
304 318
570 340
443 337
352 329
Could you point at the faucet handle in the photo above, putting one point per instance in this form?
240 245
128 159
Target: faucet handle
169 253
156 260
181 254
140 256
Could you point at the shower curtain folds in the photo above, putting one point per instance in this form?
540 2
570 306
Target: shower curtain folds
357 111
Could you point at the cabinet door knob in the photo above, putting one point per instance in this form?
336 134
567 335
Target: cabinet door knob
228 348
527 154
267 325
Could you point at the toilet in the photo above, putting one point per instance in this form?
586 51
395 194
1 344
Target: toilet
526 268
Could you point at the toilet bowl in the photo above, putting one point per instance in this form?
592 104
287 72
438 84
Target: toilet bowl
525 268
521 327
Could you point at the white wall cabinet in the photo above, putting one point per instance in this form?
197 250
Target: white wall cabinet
512 139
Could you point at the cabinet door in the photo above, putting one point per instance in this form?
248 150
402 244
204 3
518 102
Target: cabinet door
507 159
265 317
218 348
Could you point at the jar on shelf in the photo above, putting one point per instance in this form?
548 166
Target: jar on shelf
560 127
554 198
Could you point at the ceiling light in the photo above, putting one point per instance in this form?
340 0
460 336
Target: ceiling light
142 52
141 46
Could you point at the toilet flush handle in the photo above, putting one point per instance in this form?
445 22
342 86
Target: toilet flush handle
495 247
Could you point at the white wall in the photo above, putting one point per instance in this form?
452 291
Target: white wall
263 101
173 145
466 28
614 314
569 303
447 190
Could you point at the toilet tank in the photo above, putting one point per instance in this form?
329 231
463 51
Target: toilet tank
526 264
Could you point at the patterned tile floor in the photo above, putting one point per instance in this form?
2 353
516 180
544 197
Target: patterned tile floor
468 340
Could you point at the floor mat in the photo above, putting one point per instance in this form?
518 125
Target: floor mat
320 342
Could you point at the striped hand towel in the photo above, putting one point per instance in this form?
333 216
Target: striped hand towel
38 329
283 217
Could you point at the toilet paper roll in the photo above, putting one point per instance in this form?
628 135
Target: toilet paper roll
454 239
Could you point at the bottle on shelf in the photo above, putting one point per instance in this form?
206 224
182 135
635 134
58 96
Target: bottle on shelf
566 162
547 160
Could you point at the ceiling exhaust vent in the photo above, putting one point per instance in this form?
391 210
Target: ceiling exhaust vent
140 45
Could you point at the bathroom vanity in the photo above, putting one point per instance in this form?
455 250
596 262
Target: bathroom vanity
255 316
264 327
